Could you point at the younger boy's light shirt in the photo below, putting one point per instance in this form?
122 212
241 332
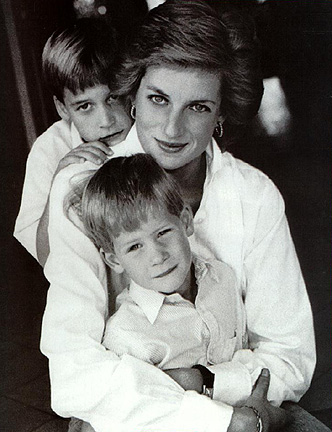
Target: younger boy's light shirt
44 157
171 332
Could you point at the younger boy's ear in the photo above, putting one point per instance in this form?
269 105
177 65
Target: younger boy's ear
61 109
187 219
111 260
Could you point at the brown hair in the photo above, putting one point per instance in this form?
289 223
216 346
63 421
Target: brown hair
193 34
122 193
81 56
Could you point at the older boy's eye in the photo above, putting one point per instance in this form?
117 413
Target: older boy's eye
84 107
158 100
200 108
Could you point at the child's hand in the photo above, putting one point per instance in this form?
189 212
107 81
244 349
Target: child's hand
95 152
187 378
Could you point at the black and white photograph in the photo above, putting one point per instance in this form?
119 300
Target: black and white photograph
166 216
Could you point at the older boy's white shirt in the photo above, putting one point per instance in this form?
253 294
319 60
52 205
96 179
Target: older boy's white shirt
87 381
42 162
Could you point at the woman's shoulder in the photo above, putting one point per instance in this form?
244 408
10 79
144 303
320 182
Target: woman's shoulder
250 181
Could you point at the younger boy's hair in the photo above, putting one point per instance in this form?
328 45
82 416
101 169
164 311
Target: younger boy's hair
81 56
121 195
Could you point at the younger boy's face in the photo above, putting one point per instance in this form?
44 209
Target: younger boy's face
157 254
96 115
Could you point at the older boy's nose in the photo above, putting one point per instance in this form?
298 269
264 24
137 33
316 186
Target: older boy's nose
106 118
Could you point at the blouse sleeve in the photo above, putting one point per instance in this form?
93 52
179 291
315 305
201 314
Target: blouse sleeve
278 313
87 381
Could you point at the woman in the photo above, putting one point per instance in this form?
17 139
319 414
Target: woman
190 73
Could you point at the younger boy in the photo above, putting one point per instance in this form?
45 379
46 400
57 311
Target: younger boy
77 66
178 310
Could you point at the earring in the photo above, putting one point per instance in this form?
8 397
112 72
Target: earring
219 129
133 111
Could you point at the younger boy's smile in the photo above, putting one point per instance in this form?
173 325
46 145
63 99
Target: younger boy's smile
157 254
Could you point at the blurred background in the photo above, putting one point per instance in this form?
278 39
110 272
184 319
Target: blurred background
292 144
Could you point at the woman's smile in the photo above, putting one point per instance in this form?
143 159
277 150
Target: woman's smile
170 147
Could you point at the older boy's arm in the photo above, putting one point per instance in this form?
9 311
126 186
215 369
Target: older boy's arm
95 152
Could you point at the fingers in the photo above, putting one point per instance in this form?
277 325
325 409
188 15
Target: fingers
262 385
95 152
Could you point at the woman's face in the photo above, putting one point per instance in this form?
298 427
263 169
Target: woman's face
177 110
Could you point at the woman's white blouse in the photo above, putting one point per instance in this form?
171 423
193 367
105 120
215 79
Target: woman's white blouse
241 221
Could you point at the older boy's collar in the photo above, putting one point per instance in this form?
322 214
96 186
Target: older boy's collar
149 301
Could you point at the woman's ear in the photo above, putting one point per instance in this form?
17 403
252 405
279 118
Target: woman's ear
187 219
221 118
61 109
111 260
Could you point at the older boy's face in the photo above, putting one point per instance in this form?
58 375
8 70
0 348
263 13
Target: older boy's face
96 115
157 255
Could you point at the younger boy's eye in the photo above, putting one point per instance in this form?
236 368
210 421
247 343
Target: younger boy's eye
163 232
84 107
158 99
134 247
200 108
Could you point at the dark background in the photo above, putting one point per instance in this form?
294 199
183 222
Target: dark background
297 46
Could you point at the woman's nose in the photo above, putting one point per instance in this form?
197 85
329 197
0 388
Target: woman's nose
174 125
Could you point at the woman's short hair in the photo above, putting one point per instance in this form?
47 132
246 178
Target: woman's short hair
122 193
79 56
191 33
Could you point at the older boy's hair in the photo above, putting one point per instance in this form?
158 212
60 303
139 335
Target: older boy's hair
81 56
121 195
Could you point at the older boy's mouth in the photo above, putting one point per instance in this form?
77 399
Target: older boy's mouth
108 139
165 273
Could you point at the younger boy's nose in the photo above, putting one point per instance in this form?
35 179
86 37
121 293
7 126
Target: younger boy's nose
159 256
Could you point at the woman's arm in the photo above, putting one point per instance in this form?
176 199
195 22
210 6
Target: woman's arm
277 309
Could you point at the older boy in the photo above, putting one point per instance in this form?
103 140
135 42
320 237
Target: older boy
77 66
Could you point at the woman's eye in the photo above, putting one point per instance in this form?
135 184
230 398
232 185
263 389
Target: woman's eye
84 107
200 108
134 247
157 99
112 99
163 232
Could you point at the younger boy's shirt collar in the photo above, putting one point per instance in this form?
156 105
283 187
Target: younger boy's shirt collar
149 301
152 301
